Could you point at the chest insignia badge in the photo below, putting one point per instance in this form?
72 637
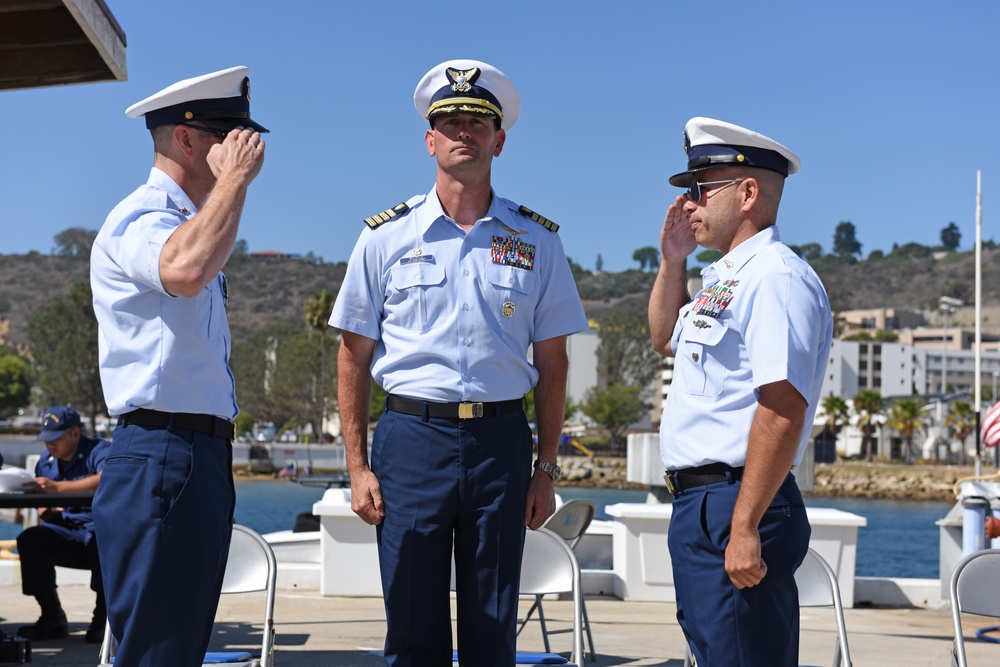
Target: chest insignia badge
702 324
513 232
507 309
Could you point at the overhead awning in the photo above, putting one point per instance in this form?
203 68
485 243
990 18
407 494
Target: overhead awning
56 42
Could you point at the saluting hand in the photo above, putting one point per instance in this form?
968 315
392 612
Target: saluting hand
677 237
240 154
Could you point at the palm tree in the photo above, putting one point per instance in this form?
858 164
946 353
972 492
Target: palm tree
317 313
907 420
960 420
868 405
835 409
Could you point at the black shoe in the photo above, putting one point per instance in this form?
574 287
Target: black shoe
46 628
95 634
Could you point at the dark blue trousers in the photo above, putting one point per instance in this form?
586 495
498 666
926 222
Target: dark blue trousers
47 545
449 486
727 626
164 515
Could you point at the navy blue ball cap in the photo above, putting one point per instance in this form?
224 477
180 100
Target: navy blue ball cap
56 420
468 86
220 100
711 144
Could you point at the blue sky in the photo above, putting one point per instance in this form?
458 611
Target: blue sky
892 107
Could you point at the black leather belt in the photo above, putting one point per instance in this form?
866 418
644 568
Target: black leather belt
688 478
452 410
208 424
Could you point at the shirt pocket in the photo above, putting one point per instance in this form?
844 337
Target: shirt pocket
416 298
509 298
702 362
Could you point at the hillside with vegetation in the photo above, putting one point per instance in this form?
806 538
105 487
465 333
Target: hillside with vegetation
267 290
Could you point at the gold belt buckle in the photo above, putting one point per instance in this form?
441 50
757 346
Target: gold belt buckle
669 479
470 410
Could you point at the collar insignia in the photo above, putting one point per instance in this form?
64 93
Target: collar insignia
728 264
702 324
462 80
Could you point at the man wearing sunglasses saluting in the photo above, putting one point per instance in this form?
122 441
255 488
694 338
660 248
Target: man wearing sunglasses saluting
749 356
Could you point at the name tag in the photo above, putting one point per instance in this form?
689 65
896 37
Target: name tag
417 259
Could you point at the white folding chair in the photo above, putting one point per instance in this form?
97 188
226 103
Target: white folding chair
549 566
818 587
250 568
570 521
974 589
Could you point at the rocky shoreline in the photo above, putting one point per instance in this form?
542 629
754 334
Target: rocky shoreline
839 480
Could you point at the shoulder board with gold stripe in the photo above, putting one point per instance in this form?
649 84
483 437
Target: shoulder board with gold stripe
385 216
540 219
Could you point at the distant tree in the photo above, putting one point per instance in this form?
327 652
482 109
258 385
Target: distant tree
845 242
74 242
808 251
614 407
624 353
834 409
951 237
907 420
15 384
599 264
868 406
708 256
882 336
317 314
377 404
278 377
63 341
875 255
961 421
647 255
241 247
913 250
858 336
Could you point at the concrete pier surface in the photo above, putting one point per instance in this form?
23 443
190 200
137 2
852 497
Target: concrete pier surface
314 631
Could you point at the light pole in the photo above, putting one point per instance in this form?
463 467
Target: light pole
946 304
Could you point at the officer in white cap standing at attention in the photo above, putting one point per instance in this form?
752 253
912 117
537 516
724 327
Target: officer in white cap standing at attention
749 354
443 297
164 509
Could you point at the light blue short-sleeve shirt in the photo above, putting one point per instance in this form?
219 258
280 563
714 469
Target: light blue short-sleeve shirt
157 351
762 317
454 313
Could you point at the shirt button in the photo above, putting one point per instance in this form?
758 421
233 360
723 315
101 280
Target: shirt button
416 277
466 376
465 306
466 272
466 342
695 356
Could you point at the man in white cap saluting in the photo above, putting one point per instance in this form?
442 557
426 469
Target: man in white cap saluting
163 512
444 295
749 356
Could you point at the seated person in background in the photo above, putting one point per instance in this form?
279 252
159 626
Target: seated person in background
66 537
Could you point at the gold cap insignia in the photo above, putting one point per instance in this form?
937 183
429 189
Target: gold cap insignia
507 309
462 80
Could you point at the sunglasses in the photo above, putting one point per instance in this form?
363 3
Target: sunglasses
219 134
695 192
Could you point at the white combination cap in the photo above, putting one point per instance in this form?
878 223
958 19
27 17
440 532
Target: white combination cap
710 144
468 86
220 100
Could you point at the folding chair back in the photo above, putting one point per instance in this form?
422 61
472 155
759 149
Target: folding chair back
975 589
571 520
818 587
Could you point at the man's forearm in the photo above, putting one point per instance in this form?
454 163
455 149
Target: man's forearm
668 295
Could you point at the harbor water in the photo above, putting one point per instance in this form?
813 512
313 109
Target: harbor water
900 540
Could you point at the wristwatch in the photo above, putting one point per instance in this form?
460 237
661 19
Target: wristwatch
550 469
